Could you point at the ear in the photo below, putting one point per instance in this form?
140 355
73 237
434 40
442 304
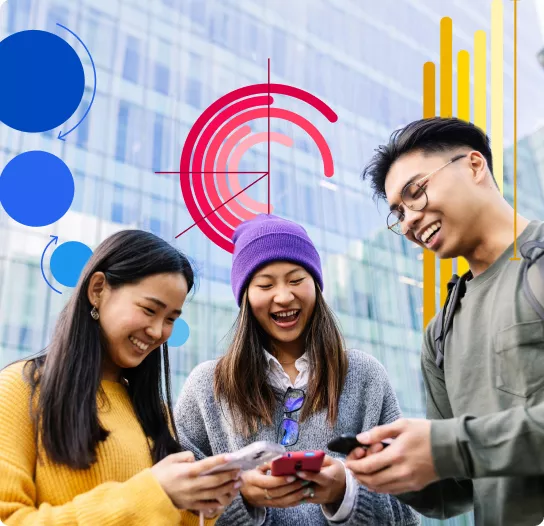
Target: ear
96 287
479 167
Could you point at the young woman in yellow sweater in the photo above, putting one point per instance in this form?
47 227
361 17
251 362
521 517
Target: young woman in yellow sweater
86 430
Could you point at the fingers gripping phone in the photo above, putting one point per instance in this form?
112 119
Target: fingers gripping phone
250 457
345 444
295 461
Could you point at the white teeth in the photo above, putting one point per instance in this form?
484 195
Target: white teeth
141 345
433 228
285 314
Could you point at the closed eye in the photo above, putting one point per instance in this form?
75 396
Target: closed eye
419 192
297 281
149 311
264 287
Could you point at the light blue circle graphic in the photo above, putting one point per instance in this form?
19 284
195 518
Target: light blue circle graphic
67 262
43 81
180 333
36 188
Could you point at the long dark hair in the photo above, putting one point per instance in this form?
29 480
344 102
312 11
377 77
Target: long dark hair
68 372
241 380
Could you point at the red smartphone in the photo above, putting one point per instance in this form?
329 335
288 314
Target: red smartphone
295 461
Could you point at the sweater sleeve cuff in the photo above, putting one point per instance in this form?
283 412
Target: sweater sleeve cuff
447 457
149 495
257 514
238 514
343 511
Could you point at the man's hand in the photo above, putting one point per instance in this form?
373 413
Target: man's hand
406 465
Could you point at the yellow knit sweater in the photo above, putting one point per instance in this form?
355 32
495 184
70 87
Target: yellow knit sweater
119 489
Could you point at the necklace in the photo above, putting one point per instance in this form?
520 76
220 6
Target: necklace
287 363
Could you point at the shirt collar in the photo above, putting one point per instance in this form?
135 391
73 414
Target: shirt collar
300 364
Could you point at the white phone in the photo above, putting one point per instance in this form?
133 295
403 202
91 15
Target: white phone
250 457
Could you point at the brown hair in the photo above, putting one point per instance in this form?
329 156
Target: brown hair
241 374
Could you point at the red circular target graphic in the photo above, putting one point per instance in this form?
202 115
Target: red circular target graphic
215 145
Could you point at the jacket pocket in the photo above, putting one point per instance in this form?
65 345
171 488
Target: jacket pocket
519 358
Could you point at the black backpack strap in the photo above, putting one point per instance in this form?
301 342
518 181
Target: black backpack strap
444 320
533 287
533 274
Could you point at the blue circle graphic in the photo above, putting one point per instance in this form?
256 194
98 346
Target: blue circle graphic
36 188
68 260
180 333
43 81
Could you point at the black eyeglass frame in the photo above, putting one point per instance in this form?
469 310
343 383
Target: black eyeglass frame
287 414
394 214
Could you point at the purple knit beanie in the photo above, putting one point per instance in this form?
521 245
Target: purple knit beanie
268 238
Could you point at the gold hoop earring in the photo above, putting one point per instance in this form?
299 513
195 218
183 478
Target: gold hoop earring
95 314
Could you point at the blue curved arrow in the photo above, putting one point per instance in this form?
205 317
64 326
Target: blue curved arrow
55 239
62 135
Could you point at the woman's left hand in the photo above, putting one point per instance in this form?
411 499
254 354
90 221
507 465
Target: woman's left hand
329 484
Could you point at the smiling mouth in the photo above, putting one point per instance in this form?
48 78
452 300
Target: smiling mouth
287 317
428 235
431 237
139 344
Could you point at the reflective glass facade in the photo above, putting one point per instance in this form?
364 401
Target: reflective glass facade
161 62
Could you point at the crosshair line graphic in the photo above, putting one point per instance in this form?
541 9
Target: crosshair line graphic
216 144
223 204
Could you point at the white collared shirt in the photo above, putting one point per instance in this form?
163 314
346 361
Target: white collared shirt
277 377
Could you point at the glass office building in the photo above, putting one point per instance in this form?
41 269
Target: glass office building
160 63
530 175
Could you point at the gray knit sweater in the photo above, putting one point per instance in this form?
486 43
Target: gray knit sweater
367 400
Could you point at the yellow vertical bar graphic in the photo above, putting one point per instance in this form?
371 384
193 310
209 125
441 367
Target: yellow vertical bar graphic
446 74
515 256
497 91
446 66
429 260
480 80
463 112
463 85
429 90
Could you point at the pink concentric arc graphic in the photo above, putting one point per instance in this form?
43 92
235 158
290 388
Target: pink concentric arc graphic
216 144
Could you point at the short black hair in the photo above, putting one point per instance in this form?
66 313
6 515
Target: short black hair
437 134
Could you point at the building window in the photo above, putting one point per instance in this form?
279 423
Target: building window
131 65
55 14
162 78
158 132
25 337
122 128
155 226
197 11
19 14
194 92
117 204
82 133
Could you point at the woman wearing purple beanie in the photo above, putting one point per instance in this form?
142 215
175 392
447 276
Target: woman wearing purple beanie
287 377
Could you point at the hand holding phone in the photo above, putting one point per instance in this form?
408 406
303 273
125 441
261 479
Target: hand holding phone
250 457
295 461
345 444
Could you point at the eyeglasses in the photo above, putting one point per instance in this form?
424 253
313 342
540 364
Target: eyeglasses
293 400
413 196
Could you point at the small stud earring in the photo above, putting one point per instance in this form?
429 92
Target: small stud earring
95 314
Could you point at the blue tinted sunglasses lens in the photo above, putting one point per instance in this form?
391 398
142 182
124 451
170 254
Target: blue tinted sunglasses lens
293 403
288 432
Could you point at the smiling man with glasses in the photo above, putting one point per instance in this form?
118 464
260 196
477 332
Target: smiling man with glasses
413 196
483 445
